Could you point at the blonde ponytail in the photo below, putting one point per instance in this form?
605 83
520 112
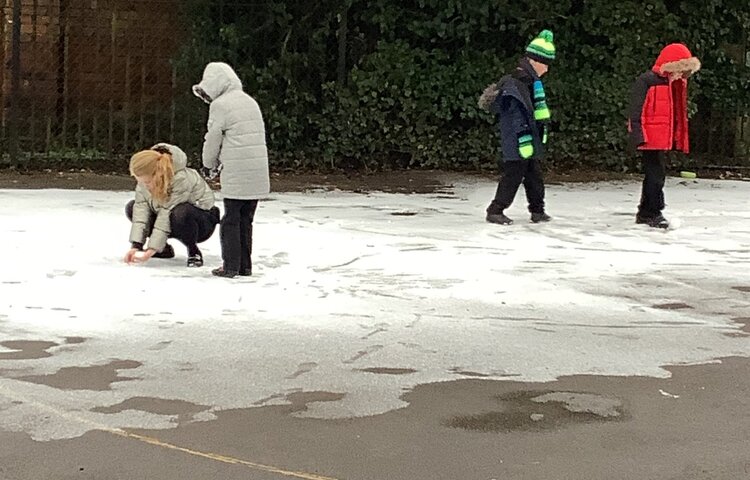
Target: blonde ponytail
159 167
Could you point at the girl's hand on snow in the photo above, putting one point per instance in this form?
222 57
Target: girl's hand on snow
130 256
143 257
137 256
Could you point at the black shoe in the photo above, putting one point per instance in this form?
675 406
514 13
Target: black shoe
167 252
499 218
245 273
540 217
657 221
195 260
220 272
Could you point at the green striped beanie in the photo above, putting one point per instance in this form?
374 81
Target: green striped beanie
541 48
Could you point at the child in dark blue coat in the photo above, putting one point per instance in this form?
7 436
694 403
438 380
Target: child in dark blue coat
519 104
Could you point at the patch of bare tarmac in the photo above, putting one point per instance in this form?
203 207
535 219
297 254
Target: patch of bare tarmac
160 406
690 426
26 349
744 321
96 377
672 306
300 400
388 370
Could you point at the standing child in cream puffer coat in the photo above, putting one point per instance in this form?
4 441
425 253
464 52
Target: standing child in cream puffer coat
235 141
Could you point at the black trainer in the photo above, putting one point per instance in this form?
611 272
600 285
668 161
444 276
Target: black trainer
167 252
499 218
540 217
657 221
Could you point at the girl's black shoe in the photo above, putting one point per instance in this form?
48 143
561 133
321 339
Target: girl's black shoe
167 252
195 260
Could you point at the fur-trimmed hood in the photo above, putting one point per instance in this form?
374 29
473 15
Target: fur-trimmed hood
676 58
488 96
218 79
508 86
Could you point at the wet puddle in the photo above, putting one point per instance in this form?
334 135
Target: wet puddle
540 410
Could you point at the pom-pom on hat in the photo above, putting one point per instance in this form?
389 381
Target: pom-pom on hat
541 48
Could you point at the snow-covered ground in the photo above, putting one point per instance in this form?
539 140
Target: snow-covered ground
365 295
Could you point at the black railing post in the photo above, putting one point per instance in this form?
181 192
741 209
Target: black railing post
15 86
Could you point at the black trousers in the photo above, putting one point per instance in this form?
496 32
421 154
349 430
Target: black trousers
237 235
189 224
528 172
652 192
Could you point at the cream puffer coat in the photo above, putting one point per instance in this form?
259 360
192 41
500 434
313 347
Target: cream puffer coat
236 135
187 187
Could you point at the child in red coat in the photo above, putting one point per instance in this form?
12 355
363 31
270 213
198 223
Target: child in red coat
658 122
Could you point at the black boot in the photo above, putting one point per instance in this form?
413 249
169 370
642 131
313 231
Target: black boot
495 214
657 221
540 217
167 252
220 272
499 218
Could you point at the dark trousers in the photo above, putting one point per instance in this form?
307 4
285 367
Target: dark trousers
237 235
189 224
652 192
528 172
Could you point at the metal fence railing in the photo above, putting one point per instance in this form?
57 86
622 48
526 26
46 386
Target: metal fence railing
87 79
94 80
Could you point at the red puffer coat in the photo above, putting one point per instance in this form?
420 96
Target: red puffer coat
658 103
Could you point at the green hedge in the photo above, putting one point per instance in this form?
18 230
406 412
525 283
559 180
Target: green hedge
412 72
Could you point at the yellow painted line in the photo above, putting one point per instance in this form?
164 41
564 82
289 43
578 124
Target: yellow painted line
219 458
158 443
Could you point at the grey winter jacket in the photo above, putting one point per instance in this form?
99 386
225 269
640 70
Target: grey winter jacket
187 187
236 135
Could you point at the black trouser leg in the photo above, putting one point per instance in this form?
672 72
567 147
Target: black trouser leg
129 210
207 223
513 173
247 213
230 234
191 225
652 192
533 183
